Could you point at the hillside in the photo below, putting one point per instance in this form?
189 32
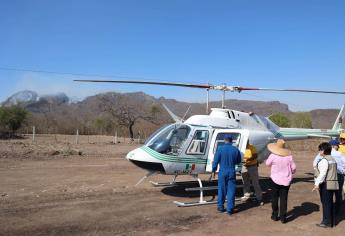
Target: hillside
56 114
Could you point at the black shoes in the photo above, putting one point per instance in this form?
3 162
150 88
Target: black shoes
274 218
230 212
221 210
322 225
283 220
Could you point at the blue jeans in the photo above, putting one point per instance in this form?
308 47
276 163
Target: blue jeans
226 188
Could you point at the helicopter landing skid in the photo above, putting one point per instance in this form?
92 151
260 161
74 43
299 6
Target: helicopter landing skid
201 199
172 183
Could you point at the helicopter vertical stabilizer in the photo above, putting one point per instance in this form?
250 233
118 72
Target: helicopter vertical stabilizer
338 122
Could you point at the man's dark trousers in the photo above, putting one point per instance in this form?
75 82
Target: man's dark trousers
326 197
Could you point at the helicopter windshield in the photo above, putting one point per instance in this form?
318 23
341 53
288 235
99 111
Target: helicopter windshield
170 140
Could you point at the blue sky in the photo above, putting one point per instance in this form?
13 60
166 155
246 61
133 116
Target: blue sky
278 44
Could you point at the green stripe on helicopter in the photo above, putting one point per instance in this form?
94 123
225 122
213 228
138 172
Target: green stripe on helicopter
169 158
305 133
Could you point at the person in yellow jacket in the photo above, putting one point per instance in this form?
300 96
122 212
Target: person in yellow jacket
250 174
342 143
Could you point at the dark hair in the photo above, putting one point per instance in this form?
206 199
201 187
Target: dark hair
326 148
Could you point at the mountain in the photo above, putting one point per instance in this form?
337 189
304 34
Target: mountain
55 113
324 118
35 103
22 97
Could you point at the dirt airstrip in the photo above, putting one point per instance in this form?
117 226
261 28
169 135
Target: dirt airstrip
56 187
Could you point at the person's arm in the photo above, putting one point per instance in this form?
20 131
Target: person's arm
323 167
216 161
342 158
269 161
239 157
316 160
293 166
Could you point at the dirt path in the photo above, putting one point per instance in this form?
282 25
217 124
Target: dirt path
47 193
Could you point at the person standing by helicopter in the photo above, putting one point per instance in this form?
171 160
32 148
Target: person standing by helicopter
282 168
342 143
250 173
227 156
326 182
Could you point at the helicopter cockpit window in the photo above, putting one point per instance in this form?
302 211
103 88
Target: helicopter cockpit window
199 143
171 139
220 140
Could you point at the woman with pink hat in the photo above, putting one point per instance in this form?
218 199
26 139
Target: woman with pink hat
282 168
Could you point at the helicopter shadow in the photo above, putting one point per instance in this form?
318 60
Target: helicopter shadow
305 208
210 195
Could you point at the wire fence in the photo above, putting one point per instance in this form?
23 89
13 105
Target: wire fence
79 139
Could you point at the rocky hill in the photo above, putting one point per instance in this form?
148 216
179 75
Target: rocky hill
55 113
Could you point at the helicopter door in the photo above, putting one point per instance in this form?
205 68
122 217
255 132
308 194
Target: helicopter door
240 138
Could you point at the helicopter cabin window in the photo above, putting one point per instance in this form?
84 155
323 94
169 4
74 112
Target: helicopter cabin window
199 143
220 140
170 140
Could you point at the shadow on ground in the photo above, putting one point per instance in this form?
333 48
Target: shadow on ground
179 190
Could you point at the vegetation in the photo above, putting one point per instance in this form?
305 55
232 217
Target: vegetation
12 118
280 120
301 120
127 114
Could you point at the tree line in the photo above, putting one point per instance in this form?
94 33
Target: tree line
125 119
296 120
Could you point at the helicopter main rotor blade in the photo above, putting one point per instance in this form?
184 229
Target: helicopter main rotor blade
239 89
203 86
221 87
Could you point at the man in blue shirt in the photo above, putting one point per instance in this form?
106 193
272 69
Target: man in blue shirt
227 156
340 160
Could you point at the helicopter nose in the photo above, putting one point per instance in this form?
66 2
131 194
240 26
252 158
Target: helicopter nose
145 161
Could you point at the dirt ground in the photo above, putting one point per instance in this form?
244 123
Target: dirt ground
55 187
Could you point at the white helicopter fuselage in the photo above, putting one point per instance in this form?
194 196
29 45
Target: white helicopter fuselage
188 148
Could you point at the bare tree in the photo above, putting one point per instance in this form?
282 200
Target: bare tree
126 114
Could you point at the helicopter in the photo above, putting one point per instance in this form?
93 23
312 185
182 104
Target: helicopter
187 147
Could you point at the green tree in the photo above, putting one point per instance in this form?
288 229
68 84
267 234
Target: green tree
280 120
12 118
155 110
104 124
302 120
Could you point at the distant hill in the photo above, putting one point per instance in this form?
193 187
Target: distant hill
55 113
35 103
324 118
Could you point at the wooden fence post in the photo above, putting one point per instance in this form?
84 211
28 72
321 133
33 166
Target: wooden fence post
33 133
77 136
